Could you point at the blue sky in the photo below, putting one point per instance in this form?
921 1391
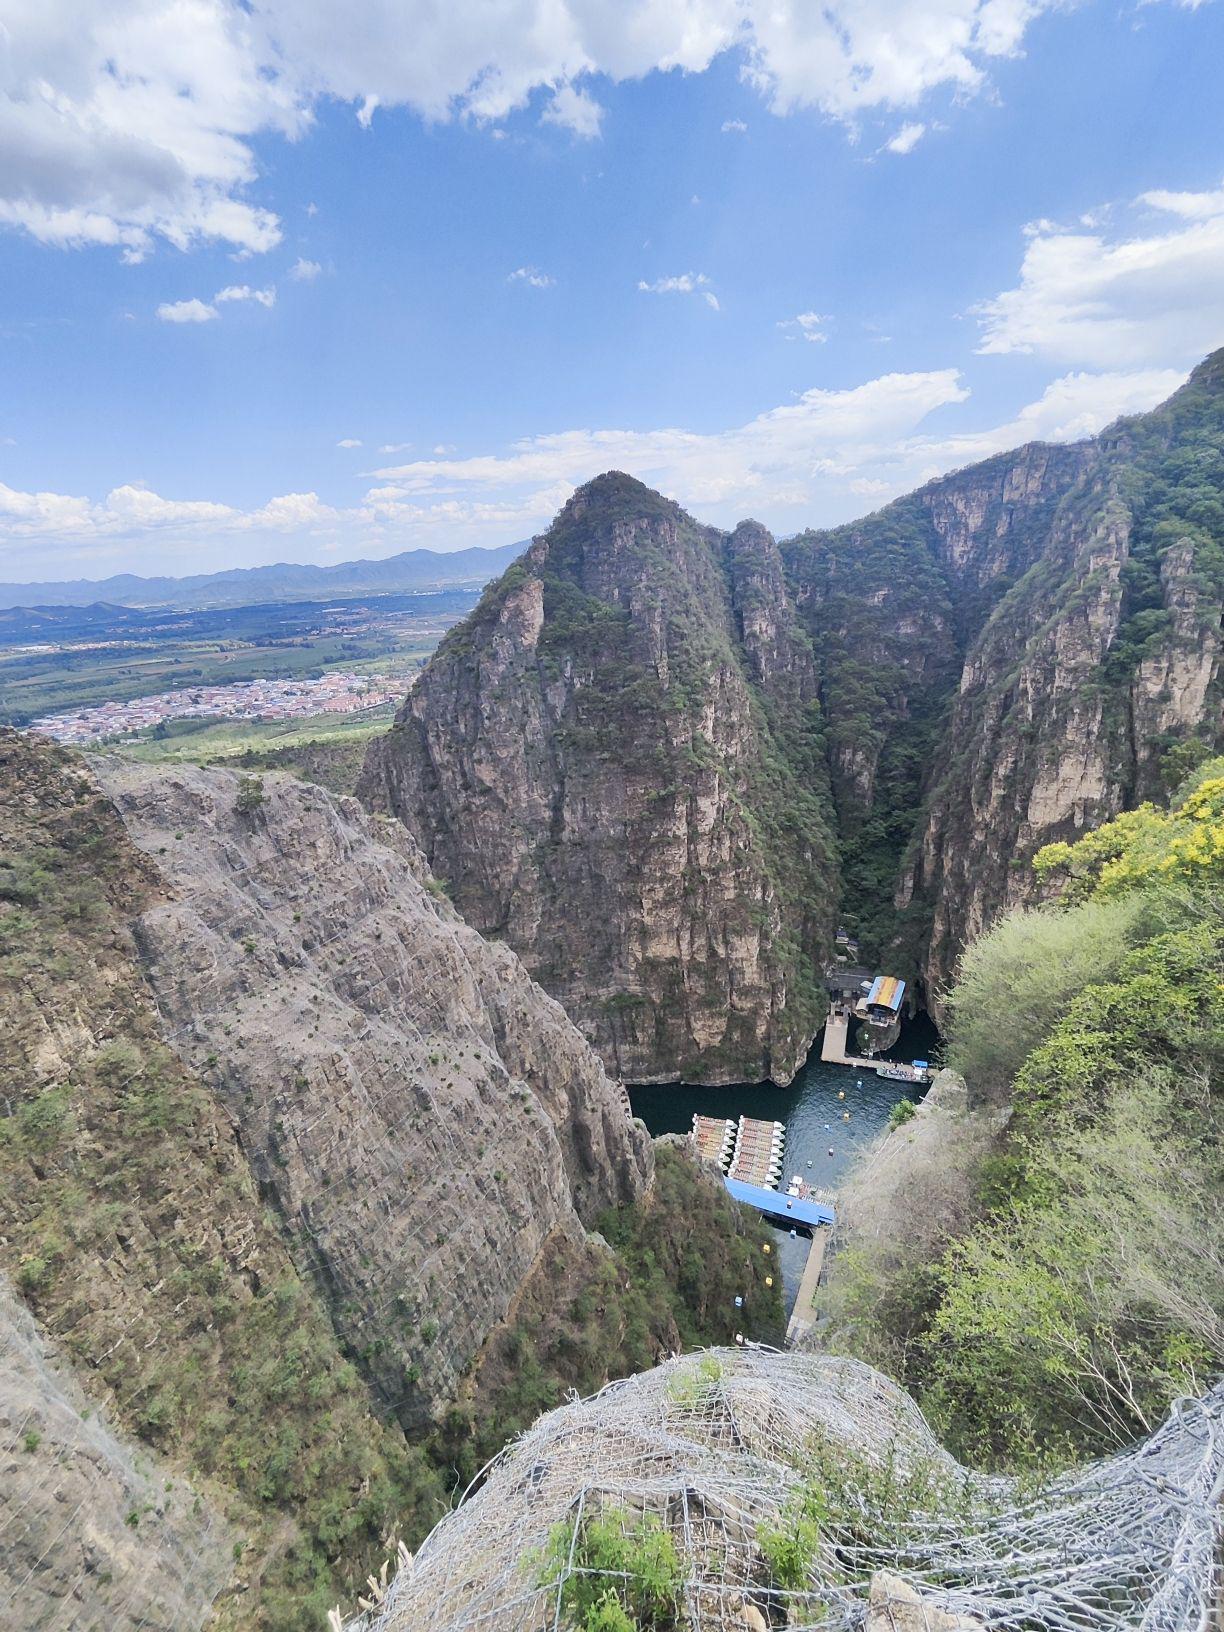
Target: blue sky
775 261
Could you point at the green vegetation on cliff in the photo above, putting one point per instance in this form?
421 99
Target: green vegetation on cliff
1089 1291
668 1281
131 1225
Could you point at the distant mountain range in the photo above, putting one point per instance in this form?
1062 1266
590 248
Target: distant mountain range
250 586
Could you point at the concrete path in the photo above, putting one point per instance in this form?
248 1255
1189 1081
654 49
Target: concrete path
803 1315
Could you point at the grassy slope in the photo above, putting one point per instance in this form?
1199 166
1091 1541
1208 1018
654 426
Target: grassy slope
328 749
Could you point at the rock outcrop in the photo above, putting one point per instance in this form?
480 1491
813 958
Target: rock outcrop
1093 674
662 761
421 1115
95 1531
613 765
281 1142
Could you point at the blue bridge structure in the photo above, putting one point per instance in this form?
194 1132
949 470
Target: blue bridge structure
784 1209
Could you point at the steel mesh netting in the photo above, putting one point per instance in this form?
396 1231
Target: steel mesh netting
715 1447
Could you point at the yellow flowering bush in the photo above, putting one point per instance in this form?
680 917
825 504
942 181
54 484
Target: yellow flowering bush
1145 847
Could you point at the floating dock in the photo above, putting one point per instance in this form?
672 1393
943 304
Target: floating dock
758 1154
714 1137
833 1049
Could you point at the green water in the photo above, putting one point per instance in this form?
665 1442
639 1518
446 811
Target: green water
820 1144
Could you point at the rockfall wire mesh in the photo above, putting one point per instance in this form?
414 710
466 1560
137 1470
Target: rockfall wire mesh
718 1448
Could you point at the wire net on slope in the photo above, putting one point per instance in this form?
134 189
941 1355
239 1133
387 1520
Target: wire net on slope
719 1449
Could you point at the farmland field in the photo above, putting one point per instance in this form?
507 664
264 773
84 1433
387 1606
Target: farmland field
53 660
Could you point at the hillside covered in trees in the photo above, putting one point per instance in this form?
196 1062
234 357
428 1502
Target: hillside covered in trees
1080 1287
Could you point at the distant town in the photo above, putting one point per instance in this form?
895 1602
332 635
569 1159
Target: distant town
338 693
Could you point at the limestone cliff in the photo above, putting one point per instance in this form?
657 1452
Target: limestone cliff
421 1116
614 764
1094 676
281 1141
660 761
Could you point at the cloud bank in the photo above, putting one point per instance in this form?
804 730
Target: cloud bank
126 122
827 456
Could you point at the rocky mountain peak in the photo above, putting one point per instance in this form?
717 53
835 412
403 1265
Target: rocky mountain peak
598 795
708 746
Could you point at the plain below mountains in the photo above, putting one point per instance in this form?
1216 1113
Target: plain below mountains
250 586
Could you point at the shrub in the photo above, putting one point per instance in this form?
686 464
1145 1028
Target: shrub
639 1556
250 795
1015 983
789 1546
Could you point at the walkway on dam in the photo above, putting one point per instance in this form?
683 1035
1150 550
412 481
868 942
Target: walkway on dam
803 1315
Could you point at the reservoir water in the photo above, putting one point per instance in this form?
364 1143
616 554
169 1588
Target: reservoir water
813 1115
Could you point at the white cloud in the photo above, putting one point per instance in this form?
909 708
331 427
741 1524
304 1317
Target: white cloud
809 462
133 510
290 513
125 122
686 283
531 275
395 447
1152 295
735 127
573 110
186 311
1069 409
1190 206
779 458
131 121
807 326
243 291
303 271
906 139
349 442
818 459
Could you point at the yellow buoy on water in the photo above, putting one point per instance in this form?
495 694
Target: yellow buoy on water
841 1093
845 1116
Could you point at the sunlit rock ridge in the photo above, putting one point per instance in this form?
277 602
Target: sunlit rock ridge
663 761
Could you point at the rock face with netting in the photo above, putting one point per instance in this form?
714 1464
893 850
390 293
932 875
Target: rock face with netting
748 1489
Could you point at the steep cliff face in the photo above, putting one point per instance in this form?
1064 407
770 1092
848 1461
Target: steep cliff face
1093 676
422 1116
133 1231
281 1142
615 765
628 762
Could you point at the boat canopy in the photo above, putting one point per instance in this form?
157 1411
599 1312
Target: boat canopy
887 992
